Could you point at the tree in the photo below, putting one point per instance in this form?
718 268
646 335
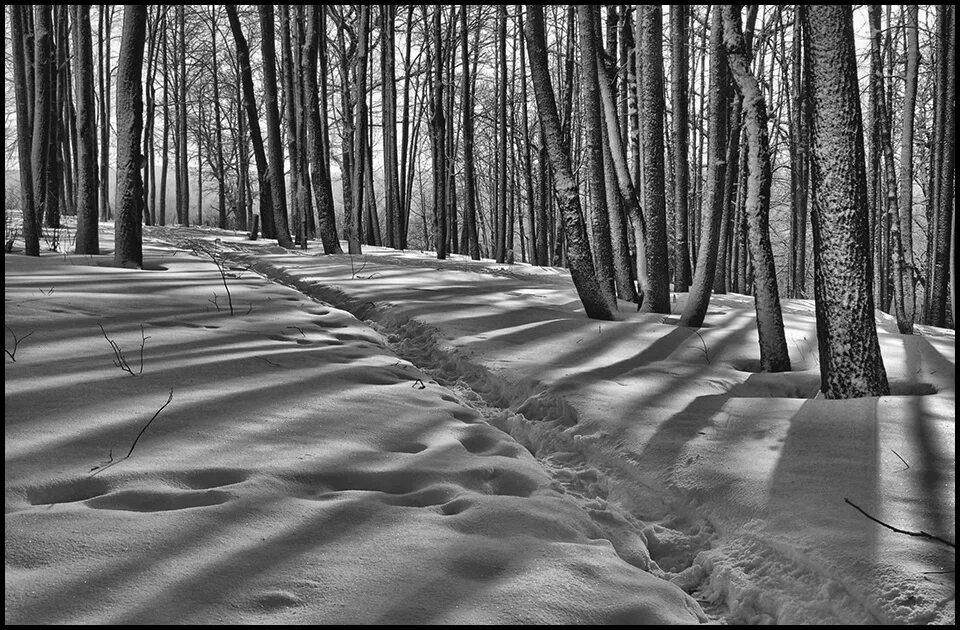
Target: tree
21 69
438 140
88 240
850 361
275 152
253 122
681 177
500 209
699 298
565 186
656 298
128 247
469 172
388 17
588 21
774 356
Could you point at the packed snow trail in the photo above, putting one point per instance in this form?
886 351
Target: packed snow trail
716 480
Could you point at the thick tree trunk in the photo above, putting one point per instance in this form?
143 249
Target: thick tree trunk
42 157
391 174
945 201
88 240
184 211
31 232
656 297
438 140
106 21
128 243
588 21
774 356
699 298
850 361
580 262
278 187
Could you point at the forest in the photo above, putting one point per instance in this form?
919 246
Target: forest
591 313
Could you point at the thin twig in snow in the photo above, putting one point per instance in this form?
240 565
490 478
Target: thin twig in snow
920 534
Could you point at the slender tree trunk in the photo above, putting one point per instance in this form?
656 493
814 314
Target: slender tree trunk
580 262
500 209
267 220
31 231
703 279
678 70
945 201
106 21
588 22
320 175
43 114
850 361
391 187
469 172
352 217
128 243
438 139
218 131
278 186
799 167
88 240
774 356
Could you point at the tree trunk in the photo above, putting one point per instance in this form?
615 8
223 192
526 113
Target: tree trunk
267 221
469 172
128 245
31 232
580 262
945 201
500 208
320 175
588 22
681 178
88 240
290 117
850 361
774 356
106 21
799 168
391 175
184 210
699 298
278 187
438 140
42 157
221 174
650 45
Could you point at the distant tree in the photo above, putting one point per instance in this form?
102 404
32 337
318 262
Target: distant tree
850 361
128 246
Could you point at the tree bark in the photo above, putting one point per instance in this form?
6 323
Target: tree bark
699 299
253 124
579 259
774 356
469 170
278 187
850 361
656 297
588 22
42 157
128 243
945 201
88 240
681 179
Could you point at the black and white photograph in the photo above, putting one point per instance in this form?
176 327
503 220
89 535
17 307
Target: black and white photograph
479 314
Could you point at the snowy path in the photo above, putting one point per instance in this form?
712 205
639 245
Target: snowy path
741 466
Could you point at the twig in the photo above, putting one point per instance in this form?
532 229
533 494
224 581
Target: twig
901 459
50 292
100 469
214 301
296 328
921 534
420 383
16 342
705 353
271 362
119 360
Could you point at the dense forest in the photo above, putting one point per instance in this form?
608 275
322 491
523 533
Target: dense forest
773 151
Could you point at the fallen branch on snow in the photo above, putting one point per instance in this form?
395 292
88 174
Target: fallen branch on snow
921 534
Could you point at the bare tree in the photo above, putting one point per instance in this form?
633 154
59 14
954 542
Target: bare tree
850 361
88 240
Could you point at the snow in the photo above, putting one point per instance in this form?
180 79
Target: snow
388 438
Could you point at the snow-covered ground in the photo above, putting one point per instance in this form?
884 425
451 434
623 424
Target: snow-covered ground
473 450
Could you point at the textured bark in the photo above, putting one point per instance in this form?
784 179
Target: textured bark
438 140
681 179
774 356
88 240
699 298
799 168
253 124
44 138
568 197
850 361
945 202
500 210
31 233
656 297
278 187
469 171
106 21
183 212
320 165
289 101
218 126
618 156
533 226
588 21
128 243
391 174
